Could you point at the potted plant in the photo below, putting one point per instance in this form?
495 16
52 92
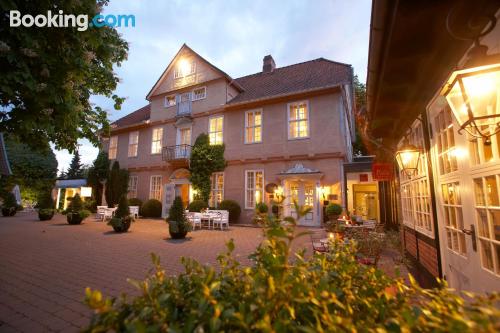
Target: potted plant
333 211
45 206
9 206
75 213
261 210
178 225
122 219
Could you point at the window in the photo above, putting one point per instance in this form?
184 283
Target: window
454 222
155 188
486 190
253 126
184 68
217 189
254 185
298 120
170 101
156 140
199 93
133 142
132 187
215 128
113 147
446 151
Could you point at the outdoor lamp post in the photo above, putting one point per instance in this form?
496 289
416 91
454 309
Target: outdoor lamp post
473 91
408 157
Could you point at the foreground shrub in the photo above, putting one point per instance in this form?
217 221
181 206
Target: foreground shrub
151 208
75 214
9 206
46 206
122 219
233 207
178 225
135 202
325 293
197 206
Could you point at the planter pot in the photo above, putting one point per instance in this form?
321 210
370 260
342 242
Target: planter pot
45 214
74 218
121 224
9 211
178 235
176 232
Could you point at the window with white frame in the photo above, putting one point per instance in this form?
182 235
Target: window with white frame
113 147
454 223
133 142
254 188
487 205
156 140
217 189
298 120
184 68
253 126
407 205
132 186
483 151
170 101
155 188
215 130
199 93
445 142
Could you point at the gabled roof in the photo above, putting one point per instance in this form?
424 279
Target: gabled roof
183 49
133 118
309 75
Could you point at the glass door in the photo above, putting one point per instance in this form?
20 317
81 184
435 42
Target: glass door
304 194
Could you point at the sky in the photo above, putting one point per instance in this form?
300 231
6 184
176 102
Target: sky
234 35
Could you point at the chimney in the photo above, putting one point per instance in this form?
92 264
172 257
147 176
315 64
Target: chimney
268 65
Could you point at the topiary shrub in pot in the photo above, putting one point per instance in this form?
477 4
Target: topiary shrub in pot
45 206
197 206
232 207
122 219
333 211
75 213
151 208
9 206
178 225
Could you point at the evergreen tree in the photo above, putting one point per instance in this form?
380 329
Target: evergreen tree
98 172
117 184
75 170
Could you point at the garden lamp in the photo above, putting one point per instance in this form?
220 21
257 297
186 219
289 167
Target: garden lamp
408 157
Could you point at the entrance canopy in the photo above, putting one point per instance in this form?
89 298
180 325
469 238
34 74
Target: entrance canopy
70 183
298 171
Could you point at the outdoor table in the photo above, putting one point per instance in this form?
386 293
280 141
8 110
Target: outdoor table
207 217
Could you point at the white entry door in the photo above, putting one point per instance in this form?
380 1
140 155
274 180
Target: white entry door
304 194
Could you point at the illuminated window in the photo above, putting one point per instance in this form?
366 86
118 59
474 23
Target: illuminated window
298 120
253 126
132 186
155 188
487 201
217 189
133 142
445 143
113 147
170 101
254 188
199 93
156 140
454 222
184 68
215 130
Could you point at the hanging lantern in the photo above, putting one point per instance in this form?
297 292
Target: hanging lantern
408 157
473 92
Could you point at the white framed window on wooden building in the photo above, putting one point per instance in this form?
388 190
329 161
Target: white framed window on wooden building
216 130
253 126
454 221
170 101
156 140
445 142
254 188
155 187
199 93
217 189
298 120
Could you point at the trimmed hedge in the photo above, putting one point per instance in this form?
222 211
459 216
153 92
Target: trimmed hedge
151 208
197 206
233 207
135 202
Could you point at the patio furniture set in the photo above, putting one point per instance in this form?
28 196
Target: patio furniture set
106 213
212 219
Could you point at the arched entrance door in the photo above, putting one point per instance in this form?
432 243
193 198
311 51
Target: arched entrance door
178 185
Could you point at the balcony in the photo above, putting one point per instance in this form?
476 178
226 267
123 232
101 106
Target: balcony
177 155
184 108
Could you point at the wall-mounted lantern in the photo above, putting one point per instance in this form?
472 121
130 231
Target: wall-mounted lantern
408 157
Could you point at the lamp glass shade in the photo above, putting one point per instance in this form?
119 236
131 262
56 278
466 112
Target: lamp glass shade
474 98
408 158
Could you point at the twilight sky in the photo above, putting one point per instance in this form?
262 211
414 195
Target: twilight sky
234 35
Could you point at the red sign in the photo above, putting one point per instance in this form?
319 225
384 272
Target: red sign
382 171
363 177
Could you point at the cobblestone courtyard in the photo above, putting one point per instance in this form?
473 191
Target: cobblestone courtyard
45 266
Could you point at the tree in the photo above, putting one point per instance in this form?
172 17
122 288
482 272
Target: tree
33 170
48 75
359 147
75 170
205 160
117 184
98 172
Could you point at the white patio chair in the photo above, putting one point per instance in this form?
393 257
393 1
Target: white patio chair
134 210
222 220
215 217
101 211
108 213
195 219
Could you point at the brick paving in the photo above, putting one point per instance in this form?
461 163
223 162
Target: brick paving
46 266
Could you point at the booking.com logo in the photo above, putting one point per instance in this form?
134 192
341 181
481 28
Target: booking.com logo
61 20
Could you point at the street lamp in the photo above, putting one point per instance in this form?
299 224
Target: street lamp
408 157
473 91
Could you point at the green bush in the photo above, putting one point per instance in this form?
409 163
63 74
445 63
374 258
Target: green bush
135 202
9 206
197 206
90 205
151 208
75 213
122 219
178 225
45 205
333 210
284 292
261 208
46 214
233 207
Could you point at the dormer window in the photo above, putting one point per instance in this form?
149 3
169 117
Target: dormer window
199 93
184 68
169 101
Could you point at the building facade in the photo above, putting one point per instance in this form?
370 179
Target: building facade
290 127
449 207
